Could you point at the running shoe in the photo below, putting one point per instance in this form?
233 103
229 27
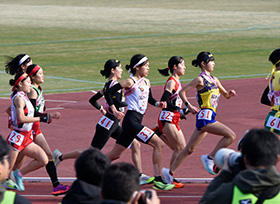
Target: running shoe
9 184
177 184
60 189
161 185
208 164
144 179
56 155
19 180
166 176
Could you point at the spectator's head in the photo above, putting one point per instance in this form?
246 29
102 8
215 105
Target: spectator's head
120 181
90 166
4 159
260 147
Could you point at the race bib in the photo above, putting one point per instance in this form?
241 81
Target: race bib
276 101
273 122
205 114
145 134
178 102
106 122
16 138
215 100
166 115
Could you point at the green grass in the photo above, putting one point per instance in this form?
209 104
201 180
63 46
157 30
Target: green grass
71 40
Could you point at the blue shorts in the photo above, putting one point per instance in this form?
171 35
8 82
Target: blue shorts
204 117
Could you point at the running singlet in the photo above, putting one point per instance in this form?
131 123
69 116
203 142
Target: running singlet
168 114
208 97
175 98
28 111
40 101
137 100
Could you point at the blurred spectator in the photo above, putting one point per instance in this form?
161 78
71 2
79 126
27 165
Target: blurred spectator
89 166
121 185
258 182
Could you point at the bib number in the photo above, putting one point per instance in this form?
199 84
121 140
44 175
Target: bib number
273 122
178 102
276 101
16 138
106 122
145 134
205 114
166 116
214 100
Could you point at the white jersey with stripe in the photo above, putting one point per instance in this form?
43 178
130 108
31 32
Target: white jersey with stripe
138 99
28 111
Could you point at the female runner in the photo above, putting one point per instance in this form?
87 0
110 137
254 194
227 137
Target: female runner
36 97
22 119
169 118
108 126
208 92
272 120
13 66
138 94
17 64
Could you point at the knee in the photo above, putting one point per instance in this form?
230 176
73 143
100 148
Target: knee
136 145
179 148
188 150
232 137
44 161
159 144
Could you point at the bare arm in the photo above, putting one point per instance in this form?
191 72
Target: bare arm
195 83
223 91
22 118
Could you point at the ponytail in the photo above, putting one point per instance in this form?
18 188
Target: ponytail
164 72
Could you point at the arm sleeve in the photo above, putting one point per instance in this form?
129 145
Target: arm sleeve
165 96
93 100
151 99
36 113
110 92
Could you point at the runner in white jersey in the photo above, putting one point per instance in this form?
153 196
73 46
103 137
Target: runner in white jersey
22 121
138 95
108 125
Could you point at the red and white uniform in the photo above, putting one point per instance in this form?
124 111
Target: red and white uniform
21 135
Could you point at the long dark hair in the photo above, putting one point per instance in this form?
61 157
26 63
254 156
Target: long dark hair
175 60
133 61
13 65
202 57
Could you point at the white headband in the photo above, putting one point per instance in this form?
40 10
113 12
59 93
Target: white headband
141 61
25 57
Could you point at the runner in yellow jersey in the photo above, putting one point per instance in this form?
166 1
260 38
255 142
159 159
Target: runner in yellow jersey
272 121
208 91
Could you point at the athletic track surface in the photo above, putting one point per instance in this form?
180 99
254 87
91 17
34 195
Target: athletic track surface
77 125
